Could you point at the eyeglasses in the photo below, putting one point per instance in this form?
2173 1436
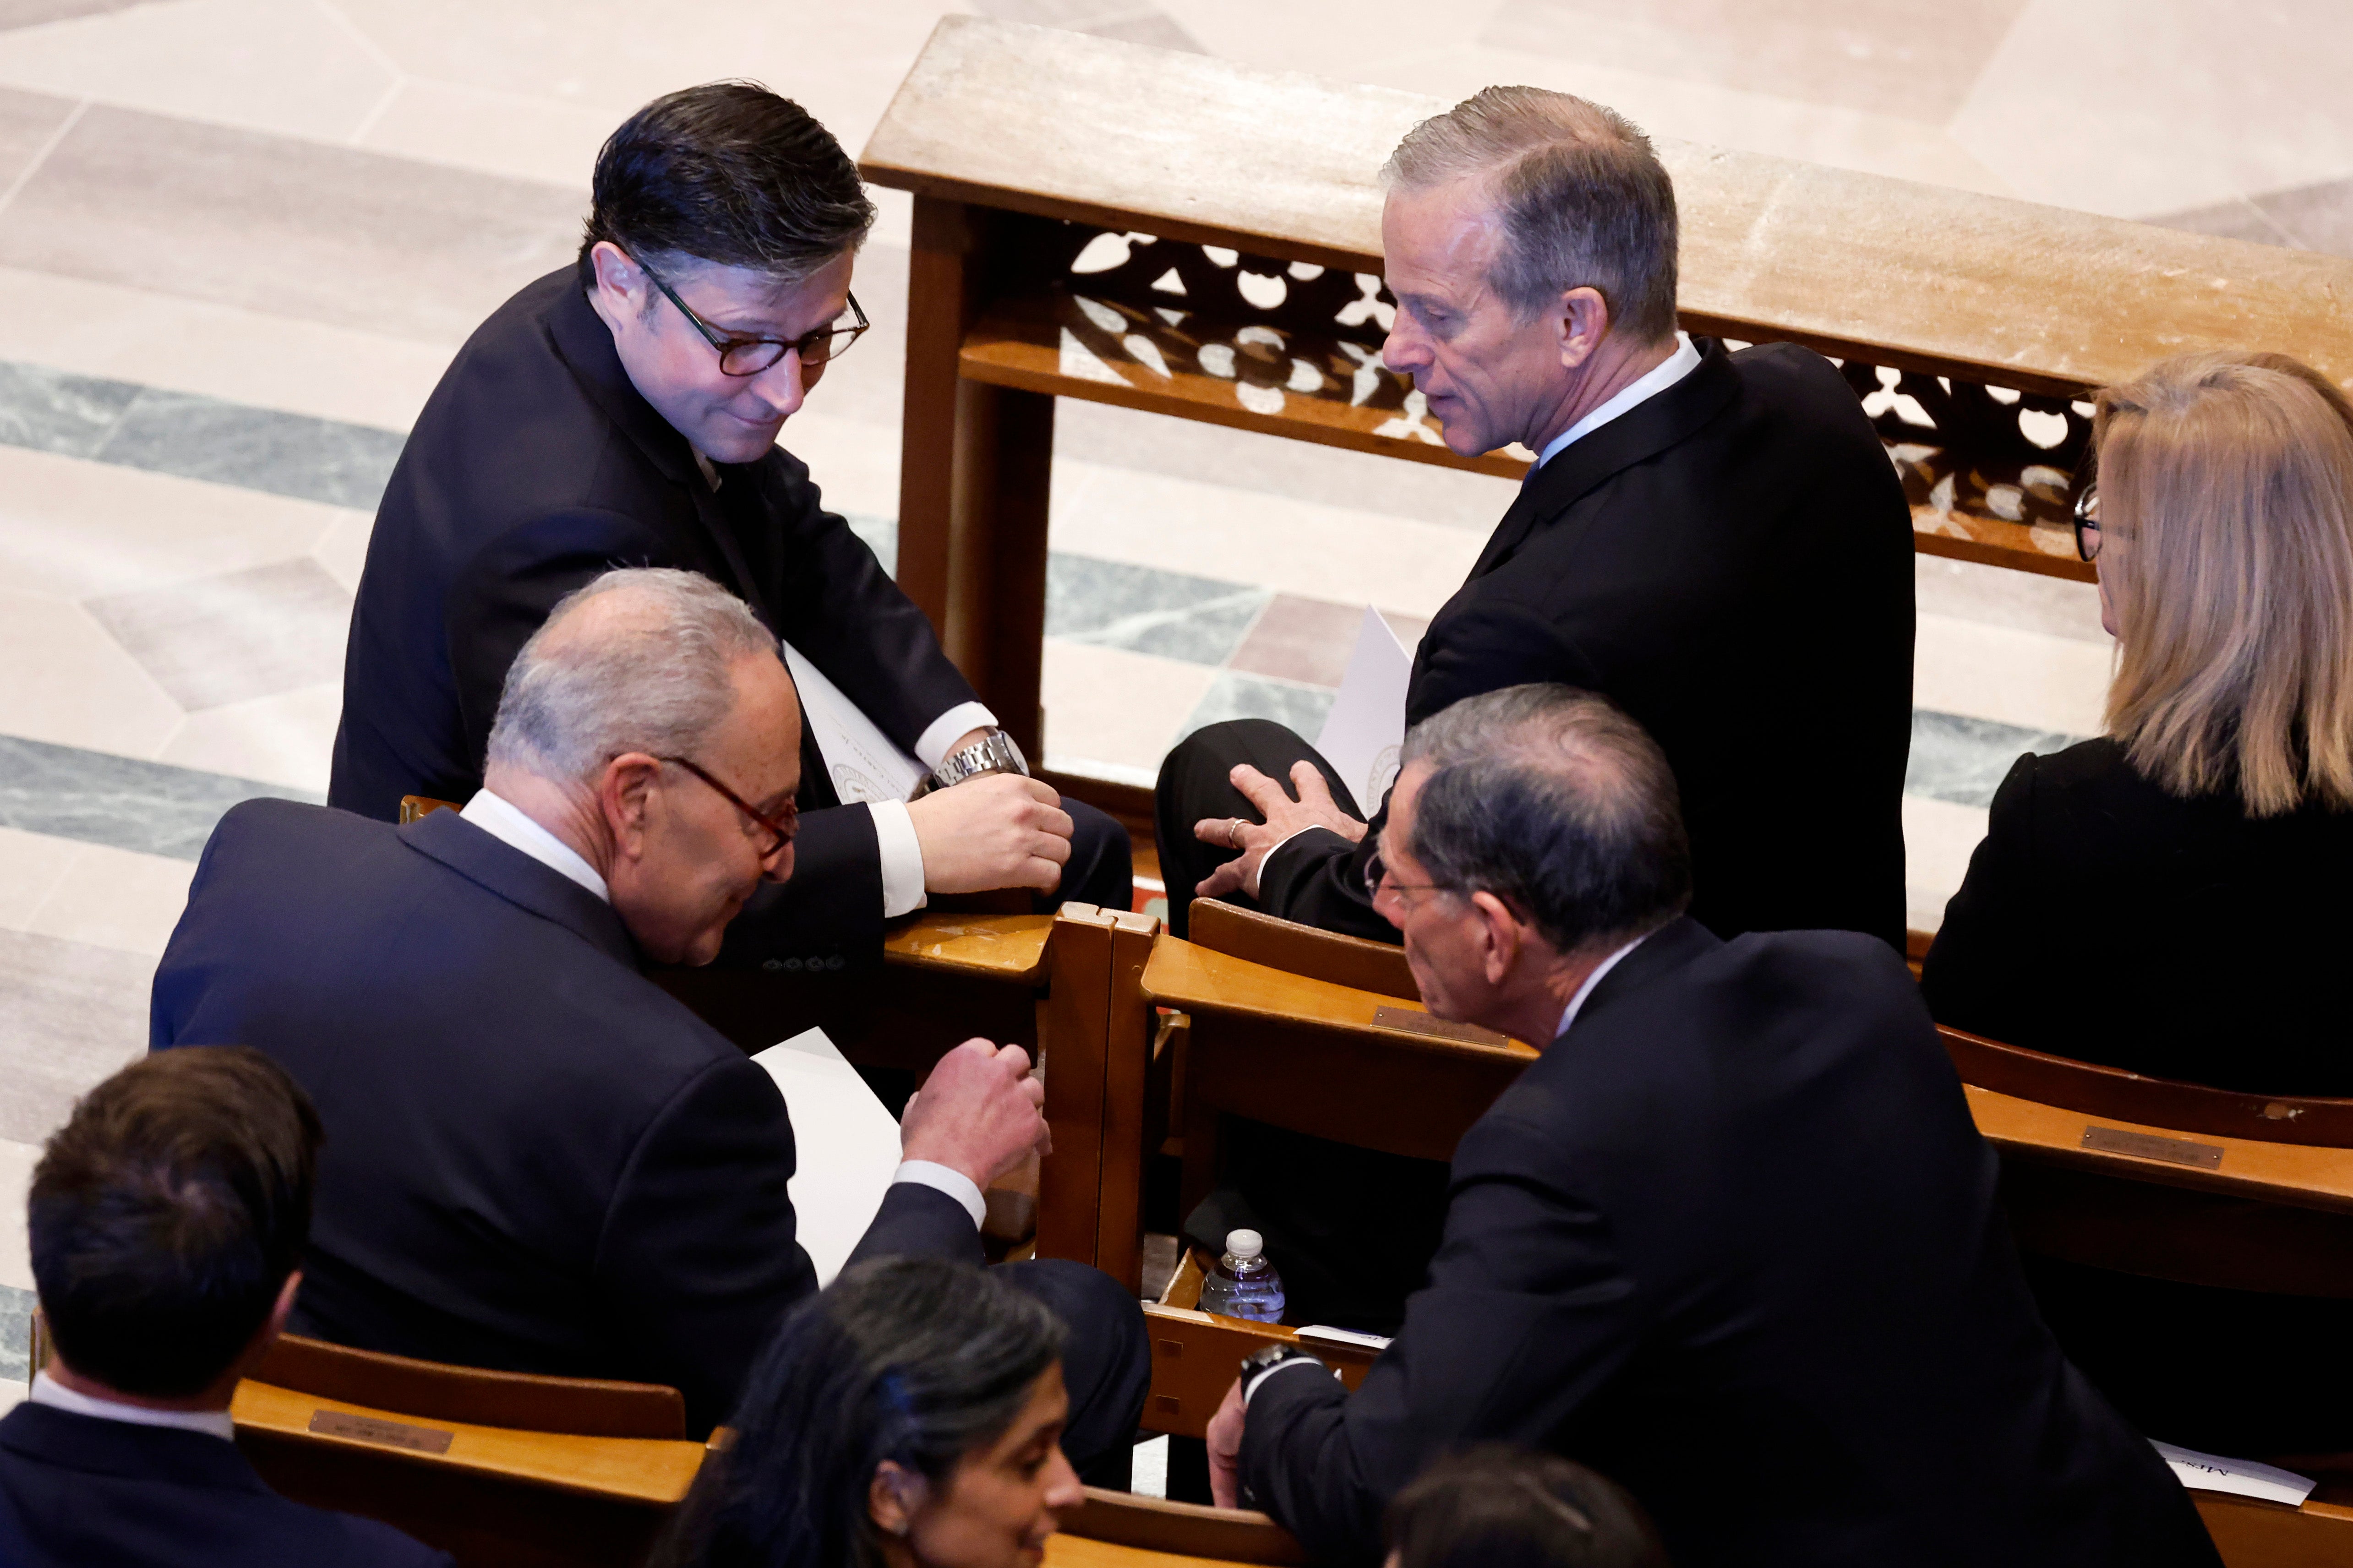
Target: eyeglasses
2087 522
781 827
1377 872
750 356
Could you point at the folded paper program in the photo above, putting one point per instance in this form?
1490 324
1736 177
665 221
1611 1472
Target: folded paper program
2212 1473
865 764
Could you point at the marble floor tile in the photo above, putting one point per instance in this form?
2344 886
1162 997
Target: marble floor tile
1324 40
2237 218
2169 104
1288 546
1144 610
77 530
284 65
1234 695
116 898
2024 601
2317 218
15 1345
1304 640
238 635
16 1163
494 132
1939 838
343 549
2030 679
30 867
72 684
46 410
236 354
70 1013
202 438
29 122
1916 59
150 808
14 14
242 218
1113 713
286 741
1963 761
854 462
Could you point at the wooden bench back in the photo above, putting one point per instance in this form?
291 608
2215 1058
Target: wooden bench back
1183 1528
2163 1102
587 1407
1296 949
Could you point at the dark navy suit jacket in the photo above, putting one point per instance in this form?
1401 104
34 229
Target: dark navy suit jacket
536 1159
1734 1241
535 467
81 1490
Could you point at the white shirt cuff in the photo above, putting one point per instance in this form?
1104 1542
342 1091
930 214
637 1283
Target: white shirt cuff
1252 1386
955 1183
902 857
932 745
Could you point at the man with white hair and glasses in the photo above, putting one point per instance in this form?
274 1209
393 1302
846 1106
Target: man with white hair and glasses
537 1160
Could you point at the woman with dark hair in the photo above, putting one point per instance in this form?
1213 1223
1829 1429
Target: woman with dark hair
910 1415
1495 1506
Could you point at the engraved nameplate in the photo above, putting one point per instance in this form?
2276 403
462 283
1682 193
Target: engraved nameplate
2147 1146
1415 1021
374 1429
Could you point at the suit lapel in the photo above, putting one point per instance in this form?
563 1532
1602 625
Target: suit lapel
1637 435
584 344
503 869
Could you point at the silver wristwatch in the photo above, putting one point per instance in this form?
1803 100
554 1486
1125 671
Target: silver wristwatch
994 752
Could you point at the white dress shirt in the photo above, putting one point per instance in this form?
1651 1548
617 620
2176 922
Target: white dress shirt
896 846
1577 1002
47 1391
505 822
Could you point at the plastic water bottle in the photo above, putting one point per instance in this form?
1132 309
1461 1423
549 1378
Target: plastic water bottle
1244 1284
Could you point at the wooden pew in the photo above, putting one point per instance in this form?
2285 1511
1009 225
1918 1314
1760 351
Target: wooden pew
493 1468
1174 233
1120 1529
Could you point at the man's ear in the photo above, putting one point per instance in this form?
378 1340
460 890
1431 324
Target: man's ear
1501 938
1581 318
624 792
619 278
893 1497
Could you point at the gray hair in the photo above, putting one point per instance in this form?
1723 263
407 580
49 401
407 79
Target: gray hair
656 675
1554 801
1584 202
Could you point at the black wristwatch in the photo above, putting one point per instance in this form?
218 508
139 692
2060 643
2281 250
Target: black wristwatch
1271 1357
994 752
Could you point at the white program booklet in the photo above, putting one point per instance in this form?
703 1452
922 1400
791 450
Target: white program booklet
1367 726
2214 1473
865 763
845 1143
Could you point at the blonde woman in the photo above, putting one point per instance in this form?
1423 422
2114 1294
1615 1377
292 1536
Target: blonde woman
2170 898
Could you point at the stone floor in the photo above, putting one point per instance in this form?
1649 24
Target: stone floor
241 238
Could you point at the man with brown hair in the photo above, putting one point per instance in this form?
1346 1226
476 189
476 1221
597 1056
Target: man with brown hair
168 1220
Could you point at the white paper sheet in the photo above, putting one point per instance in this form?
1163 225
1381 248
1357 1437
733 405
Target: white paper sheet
1361 738
846 1143
865 765
2214 1473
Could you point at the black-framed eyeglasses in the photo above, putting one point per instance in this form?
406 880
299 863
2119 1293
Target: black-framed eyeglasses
750 356
1377 872
780 827
2087 522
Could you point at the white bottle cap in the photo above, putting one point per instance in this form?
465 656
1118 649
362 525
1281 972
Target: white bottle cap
1245 1243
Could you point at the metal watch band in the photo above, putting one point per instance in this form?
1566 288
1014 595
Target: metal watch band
994 752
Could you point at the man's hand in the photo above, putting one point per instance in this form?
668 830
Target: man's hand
1284 817
1001 830
979 1113
1225 1441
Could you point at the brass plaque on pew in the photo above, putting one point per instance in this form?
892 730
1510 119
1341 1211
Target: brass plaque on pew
375 1430
1413 1021
2149 1146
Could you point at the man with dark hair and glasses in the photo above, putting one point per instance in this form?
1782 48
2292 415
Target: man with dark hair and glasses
624 412
540 1160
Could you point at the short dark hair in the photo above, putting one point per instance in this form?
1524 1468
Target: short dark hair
1495 1506
167 1214
914 1360
1585 200
1559 805
727 173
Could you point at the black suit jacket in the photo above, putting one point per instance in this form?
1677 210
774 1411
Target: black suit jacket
1731 563
535 467
536 1159
1733 1240
75 1490
2106 920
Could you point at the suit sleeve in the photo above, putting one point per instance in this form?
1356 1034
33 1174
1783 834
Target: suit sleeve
838 607
1528 1312
1980 972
